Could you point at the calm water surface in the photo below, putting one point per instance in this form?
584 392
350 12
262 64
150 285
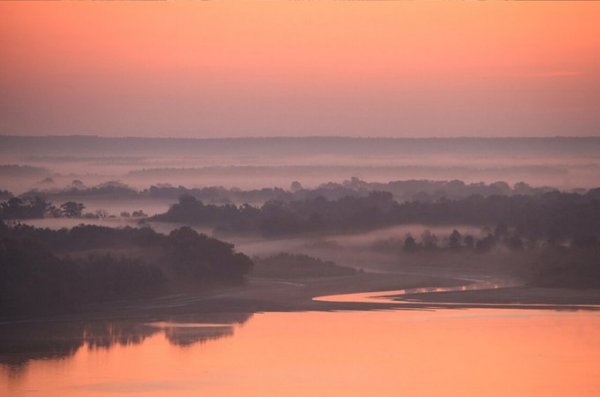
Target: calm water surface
491 352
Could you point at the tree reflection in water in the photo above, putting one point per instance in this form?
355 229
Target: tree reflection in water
21 343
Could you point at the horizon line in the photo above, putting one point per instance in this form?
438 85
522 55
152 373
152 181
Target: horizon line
298 137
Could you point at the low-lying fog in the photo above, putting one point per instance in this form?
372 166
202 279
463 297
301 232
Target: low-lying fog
372 250
53 162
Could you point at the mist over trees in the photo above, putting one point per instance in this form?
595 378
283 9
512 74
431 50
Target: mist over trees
49 269
553 215
24 208
567 267
34 279
284 265
38 203
535 262
71 209
499 239
41 203
406 190
36 207
17 170
43 269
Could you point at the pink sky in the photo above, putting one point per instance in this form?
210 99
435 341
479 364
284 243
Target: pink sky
300 68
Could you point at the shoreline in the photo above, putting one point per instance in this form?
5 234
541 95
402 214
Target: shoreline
258 295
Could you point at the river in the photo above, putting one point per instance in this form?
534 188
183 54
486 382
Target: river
450 352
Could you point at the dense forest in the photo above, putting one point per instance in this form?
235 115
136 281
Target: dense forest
553 215
422 190
41 203
43 269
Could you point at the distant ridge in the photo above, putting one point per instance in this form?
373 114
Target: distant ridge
89 144
303 137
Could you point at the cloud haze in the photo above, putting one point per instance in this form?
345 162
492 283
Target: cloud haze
326 68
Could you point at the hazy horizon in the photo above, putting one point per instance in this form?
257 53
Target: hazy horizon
252 162
342 136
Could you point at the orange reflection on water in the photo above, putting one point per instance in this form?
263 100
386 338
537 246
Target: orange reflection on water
383 353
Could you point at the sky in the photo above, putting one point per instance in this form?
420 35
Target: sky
227 69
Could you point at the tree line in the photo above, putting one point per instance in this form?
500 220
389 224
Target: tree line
552 215
546 263
36 207
402 190
43 269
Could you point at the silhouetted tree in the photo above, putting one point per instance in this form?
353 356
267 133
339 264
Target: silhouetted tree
24 208
71 209
204 258
410 245
454 241
469 241
429 240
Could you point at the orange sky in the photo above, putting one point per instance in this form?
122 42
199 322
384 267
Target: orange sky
300 68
